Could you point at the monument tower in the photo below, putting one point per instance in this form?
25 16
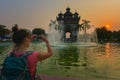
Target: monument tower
70 21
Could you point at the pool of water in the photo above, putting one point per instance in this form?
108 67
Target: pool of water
89 63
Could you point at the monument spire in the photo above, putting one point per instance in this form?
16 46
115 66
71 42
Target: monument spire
68 3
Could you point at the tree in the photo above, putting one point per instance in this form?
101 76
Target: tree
4 31
85 25
103 34
15 28
116 35
38 31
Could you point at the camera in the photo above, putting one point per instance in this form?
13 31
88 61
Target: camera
36 37
39 37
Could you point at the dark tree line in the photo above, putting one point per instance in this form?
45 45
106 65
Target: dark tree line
105 35
6 33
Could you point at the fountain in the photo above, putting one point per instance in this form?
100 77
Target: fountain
66 30
86 37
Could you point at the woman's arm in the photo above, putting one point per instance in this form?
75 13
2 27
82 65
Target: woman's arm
45 55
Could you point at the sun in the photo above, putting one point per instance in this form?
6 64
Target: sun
107 26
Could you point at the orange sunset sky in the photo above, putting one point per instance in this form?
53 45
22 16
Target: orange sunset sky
38 13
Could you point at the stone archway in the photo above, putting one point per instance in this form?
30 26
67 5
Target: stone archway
67 35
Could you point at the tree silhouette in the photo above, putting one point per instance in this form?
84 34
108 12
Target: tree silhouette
4 31
38 31
53 25
15 28
85 25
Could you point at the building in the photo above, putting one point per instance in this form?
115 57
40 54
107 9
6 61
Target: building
71 24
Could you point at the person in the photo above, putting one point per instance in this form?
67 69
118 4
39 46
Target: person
22 39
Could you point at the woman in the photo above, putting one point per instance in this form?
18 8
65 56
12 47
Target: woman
22 39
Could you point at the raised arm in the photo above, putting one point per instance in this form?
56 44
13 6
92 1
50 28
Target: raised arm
44 55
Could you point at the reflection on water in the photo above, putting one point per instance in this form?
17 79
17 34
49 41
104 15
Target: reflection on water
107 48
67 58
88 63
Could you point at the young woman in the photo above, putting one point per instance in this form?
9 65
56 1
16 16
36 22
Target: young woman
22 39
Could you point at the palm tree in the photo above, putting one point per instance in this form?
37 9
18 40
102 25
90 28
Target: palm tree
84 26
53 25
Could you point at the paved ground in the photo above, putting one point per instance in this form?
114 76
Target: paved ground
47 77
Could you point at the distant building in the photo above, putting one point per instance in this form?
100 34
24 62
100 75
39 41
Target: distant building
70 21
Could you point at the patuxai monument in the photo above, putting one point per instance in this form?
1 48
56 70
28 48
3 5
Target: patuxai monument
71 24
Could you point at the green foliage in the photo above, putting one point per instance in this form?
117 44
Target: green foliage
85 25
102 33
4 30
38 31
15 28
106 35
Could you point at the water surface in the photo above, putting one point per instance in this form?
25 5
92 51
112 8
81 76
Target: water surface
89 63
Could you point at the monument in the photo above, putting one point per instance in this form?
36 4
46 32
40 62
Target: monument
68 29
70 21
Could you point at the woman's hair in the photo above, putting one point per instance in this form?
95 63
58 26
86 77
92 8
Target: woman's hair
20 35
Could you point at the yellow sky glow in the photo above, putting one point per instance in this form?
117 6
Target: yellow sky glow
38 13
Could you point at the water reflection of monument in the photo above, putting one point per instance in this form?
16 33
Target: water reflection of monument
72 56
67 58
71 22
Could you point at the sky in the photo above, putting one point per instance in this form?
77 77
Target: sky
38 13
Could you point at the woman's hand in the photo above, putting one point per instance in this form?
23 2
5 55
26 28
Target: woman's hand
44 38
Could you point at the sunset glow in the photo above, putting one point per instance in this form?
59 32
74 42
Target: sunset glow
38 13
107 26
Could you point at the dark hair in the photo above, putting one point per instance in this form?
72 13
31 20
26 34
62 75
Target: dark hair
20 35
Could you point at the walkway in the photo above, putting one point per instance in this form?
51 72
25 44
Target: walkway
47 77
